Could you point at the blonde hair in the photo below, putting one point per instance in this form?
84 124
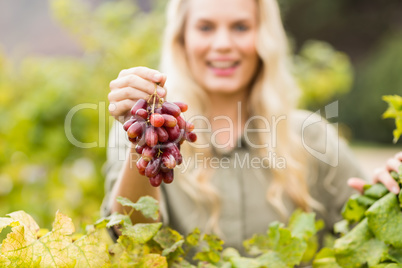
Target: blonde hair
274 93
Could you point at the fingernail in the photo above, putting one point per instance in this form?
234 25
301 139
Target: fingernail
395 190
157 77
161 91
112 107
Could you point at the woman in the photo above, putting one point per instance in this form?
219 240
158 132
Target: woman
257 158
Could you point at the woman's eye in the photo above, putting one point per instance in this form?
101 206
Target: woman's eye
241 27
205 28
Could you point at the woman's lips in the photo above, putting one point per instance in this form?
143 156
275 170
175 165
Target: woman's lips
223 68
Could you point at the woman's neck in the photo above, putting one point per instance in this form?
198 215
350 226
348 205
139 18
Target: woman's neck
227 118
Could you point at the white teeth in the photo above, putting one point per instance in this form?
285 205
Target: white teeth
222 64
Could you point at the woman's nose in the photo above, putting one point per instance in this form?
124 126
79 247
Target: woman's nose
222 40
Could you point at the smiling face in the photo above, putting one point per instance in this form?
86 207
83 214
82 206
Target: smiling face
219 40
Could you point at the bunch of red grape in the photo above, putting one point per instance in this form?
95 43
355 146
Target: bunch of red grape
158 130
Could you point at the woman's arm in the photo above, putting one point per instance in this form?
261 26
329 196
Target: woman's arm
131 85
132 185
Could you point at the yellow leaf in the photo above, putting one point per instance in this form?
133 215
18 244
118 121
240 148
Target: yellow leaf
4 262
26 220
63 225
4 222
17 247
90 251
23 249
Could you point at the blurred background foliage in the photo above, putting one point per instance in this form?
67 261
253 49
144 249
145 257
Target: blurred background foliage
42 171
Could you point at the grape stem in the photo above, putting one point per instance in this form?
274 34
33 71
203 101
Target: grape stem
154 98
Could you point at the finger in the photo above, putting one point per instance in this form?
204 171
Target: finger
383 176
121 108
399 156
393 164
163 81
357 184
137 82
144 72
126 93
133 81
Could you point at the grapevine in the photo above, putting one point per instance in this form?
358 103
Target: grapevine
157 129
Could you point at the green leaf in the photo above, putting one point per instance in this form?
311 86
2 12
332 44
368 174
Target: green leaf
173 248
376 191
193 238
112 220
353 211
302 224
385 220
182 264
358 247
272 259
325 259
257 244
142 232
341 227
387 265
211 249
289 249
394 111
146 204
240 262
279 245
365 201
394 255
169 240
400 198
229 253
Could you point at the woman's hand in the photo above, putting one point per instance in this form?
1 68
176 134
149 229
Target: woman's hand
381 175
133 84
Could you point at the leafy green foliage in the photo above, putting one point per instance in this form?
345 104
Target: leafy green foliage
394 111
376 239
146 204
146 245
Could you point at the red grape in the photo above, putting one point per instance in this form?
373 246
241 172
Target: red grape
168 176
142 113
183 106
171 108
128 123
157 180
170 121
141 103
135 130
156 120
151 137
163 136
